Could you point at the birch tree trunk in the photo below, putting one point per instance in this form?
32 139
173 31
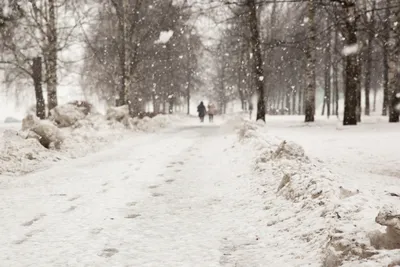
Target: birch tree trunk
310 55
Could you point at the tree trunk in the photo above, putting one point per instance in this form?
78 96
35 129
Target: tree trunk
188 99
294 94
164 106
171 101
156 104
52 57
287 104
368 70
394 74
351 69
257 60
368 59
239 81
188 91
385 58
310 55
122 57
327 73
37 81
335 74
300 100
358 110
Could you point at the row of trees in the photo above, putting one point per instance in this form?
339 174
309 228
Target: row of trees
126 61
29 36
137 51
128 56
284 50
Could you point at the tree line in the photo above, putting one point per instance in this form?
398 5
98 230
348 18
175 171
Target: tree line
293 47
124 63
283 51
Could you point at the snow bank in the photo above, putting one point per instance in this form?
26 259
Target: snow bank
117 113
19 155
67 115
310 208
46 133
40 143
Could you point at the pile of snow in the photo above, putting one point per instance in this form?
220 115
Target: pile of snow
323 219
19 155
43 131
73 130
117 113
66 115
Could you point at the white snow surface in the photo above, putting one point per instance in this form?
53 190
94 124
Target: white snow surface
224 194
90 134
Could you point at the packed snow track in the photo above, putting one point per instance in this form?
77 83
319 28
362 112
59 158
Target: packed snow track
175 198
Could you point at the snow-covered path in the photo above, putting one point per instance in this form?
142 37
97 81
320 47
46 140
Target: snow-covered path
177 198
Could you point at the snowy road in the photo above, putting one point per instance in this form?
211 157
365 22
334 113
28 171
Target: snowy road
177 198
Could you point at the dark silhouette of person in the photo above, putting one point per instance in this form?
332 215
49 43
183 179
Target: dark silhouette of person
201 109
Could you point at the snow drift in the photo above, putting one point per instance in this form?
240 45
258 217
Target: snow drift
73 130
323 218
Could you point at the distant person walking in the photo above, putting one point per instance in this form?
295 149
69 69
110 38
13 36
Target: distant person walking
211 112
201 109
250 109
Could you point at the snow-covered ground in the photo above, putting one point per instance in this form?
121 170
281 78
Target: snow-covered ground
223 194
92 133
364 160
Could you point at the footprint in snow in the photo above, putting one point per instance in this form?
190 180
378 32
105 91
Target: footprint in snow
105 184
58 195
178 170
108 252
169 181
27 236
96 231
126 177
130 204
132 216
157 195
37 218
153 186
70 209
74 198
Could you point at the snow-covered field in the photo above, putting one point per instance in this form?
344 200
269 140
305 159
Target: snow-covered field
228 194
